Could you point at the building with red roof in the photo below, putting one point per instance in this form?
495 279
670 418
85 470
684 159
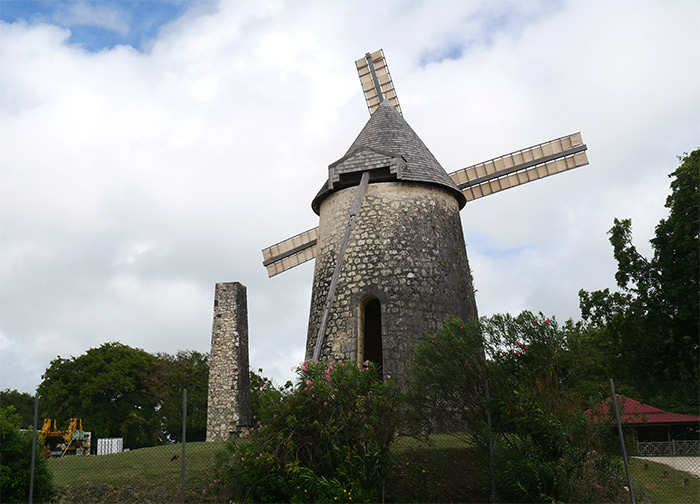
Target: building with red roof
649 423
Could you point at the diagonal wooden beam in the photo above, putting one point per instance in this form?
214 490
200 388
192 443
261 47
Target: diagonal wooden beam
359 196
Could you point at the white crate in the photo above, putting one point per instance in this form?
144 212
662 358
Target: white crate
106 446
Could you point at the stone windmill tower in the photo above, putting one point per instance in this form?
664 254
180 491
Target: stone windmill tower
391 261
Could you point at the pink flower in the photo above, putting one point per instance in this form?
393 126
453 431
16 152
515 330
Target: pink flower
308 382
461 328
525 347
365 363
597 486
388 377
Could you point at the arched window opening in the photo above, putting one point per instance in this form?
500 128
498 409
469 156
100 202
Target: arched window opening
371 331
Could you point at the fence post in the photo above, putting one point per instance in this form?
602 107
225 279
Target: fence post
491 453
184 443
622 440
31 471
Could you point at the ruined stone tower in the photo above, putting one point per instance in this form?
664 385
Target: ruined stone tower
228 410
405 268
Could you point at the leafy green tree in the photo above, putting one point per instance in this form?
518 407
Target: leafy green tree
22 402
15 466
189 370
651 324
108 387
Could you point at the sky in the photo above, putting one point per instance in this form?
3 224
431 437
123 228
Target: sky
150 149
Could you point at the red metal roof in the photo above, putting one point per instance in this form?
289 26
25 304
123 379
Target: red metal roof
635 413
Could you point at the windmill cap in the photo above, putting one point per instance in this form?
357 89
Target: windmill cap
390 150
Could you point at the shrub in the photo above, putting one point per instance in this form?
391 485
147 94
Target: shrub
326 440
15 462
545 448
447 381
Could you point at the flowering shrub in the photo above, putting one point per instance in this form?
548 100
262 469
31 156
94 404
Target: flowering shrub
264 394
327 440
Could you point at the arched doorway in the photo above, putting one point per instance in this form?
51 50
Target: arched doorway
370 331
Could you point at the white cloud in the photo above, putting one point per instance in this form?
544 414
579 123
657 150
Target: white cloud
130 183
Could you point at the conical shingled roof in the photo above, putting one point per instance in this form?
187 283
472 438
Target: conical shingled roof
388 132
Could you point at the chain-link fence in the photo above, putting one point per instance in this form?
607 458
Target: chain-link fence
646 451
87 467
658 432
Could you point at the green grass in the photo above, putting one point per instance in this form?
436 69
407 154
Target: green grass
443 468
143 475
425 472
434 441
653 486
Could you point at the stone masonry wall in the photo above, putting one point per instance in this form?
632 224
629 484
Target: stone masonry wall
408 250
228 411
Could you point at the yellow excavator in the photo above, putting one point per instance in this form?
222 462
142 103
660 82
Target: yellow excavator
74 441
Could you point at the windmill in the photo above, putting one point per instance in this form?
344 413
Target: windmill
391 262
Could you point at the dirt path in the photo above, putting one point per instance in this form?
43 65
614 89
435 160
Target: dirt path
687 464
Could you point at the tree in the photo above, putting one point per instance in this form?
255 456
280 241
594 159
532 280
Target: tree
189 370
652 324
108 387
15 456
120 391
22 402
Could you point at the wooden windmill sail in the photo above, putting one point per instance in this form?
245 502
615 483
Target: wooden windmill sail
387 150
